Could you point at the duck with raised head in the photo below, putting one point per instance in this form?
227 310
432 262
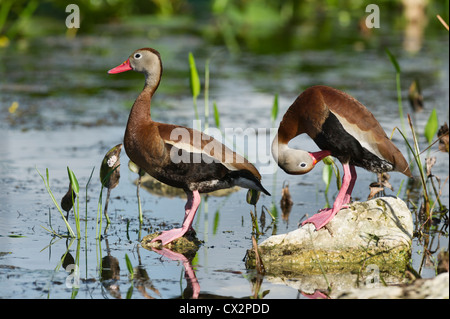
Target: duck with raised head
175 155
341 127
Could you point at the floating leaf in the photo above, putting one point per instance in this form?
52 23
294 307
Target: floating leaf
431 127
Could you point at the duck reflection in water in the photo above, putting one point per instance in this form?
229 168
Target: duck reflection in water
193 289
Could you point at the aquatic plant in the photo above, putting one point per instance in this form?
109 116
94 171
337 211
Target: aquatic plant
398 86
76 189
136 169
274 111
431 127
67 200
194 82
110 173
129 266
71 195
47 186
13 17
427 206
328 169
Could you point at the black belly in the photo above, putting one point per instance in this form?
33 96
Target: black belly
348 149
197 172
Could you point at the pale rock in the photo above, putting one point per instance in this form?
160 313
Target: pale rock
377 232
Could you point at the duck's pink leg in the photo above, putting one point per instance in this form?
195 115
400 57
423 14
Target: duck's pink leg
324 217
188 208
191 207
348 194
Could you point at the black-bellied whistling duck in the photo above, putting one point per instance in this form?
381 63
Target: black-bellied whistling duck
342 127
176 155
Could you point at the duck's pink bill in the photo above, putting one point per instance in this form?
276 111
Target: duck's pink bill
125 66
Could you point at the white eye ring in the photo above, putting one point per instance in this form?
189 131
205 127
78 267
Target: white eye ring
138 56
302 165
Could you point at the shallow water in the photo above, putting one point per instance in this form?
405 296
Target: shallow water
71 113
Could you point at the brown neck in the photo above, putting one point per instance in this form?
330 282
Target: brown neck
287 129
140 112
141 107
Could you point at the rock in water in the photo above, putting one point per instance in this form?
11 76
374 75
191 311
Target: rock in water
377 232
186 245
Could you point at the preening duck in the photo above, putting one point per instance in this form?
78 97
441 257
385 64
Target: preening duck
341 127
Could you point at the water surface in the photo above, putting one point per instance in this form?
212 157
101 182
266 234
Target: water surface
71 112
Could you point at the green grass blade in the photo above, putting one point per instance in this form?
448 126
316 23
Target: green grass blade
73 181
49 191
398 86
76 189
216 222
99 214
87 187
216 115
194 81
194 78
327 174
129 266
274 113
206 94
393 61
